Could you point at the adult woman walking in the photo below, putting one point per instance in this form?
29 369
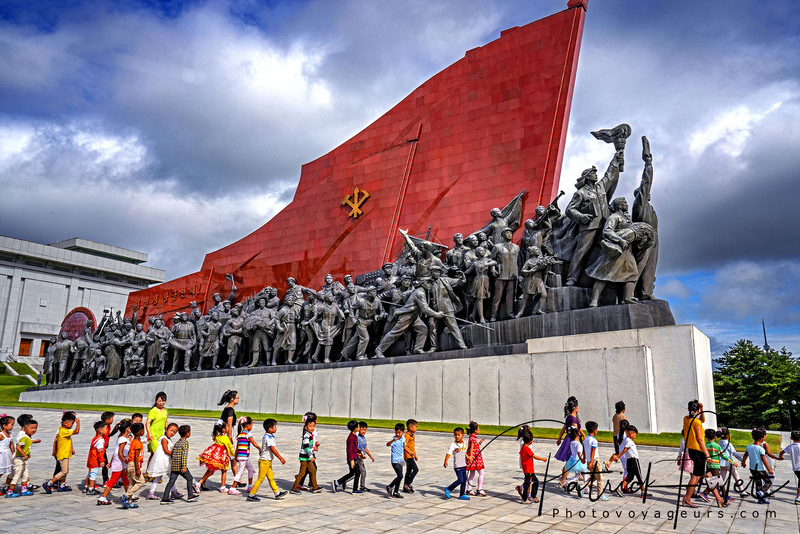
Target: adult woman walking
230 399
693 435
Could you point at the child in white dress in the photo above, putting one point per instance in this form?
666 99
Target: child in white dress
159 465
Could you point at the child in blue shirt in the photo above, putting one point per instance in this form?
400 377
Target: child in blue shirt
363 452
759 467
397 443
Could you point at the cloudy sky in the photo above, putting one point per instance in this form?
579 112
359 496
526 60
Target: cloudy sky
175 128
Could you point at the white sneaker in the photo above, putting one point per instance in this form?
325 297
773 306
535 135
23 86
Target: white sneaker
234 491
223 489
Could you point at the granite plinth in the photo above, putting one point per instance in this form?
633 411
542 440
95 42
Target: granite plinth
647 314
656 371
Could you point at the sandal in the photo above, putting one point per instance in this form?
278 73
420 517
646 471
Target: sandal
472 493
690 504
482 493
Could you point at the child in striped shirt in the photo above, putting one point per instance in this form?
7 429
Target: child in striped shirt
307 456
243 441
713 479
179 467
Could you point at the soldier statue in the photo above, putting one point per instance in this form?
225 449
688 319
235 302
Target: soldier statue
643 211
260 326
64 349
505 253
444 300
286 326
532 279
330 318
209 341
368 312
182 342
50 368
409 317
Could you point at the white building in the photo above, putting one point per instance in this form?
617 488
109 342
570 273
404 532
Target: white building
40 284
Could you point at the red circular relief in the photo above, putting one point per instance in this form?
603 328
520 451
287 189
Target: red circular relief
75 321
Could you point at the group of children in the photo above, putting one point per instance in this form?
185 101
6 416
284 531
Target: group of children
582 470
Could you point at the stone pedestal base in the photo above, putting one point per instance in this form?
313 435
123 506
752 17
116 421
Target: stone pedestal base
656 371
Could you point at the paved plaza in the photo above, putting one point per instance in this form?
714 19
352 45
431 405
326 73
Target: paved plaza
424 511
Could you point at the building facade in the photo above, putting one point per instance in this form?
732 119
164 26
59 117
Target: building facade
40 284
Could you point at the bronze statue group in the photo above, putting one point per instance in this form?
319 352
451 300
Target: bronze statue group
595 248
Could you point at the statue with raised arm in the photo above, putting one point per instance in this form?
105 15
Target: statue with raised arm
643 211
219 303
368 311
622 239
423 254
308 326
588 208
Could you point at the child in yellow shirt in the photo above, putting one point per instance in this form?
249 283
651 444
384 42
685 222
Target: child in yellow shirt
62 451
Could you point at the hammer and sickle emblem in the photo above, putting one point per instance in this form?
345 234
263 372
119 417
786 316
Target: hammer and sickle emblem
355 204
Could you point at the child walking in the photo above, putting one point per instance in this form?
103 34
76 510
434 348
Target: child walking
458 450
243 441
628 448
727 468
576 464
793 450
8 446
160 462
592 459
351 453
267 455
179 466
62 451
759 466
410 456
97 459
22 454
307 456
21 421
475 467
363 452
217 457
715 454
530 486
134 467
398 444
119 460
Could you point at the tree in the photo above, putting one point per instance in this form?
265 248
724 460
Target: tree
749 381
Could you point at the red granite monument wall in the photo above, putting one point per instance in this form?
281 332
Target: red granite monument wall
467 140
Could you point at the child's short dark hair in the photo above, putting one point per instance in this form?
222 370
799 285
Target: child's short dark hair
711 434
98 425
136 428
400 426
758 433
172 424
363 424
458 429
352 424
135 415
107 415
633 429
183 430
527 436
411 422
795 435
591 426
67 416
619 406
30 422
24 418
269 423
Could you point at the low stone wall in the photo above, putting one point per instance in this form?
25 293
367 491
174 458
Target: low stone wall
656 371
